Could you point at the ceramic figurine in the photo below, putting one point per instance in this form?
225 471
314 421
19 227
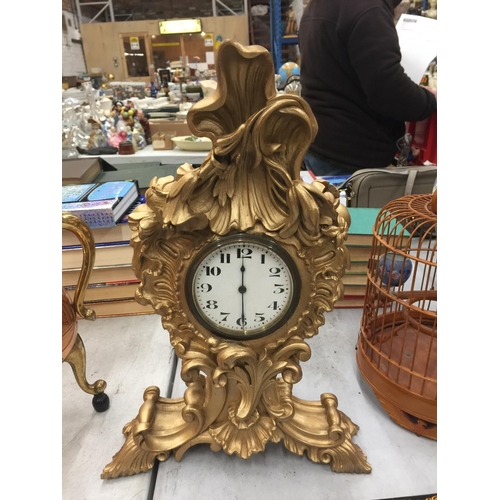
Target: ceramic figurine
129 134
113 138
120 124
139 134
138 139
96 138
394 270
122 135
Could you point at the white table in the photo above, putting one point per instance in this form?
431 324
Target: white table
132 353
174 156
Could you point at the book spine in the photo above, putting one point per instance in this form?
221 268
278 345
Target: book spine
107 284
98 245
94 208
99 215
124 307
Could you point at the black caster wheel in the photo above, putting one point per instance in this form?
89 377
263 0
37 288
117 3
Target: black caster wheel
100 402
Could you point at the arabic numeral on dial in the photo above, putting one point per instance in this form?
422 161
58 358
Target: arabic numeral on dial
205 287
225 258
259 317
273 305
214 271
211 304
278 288
225 315
241 322
244 253
275 272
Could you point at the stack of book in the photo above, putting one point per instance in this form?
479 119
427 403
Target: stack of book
359 243
112 282
100 204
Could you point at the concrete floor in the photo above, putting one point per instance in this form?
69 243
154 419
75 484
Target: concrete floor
132 353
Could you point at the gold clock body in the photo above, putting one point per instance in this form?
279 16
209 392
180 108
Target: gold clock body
239 391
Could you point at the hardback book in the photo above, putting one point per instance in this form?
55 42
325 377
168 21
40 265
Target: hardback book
120 307
350 302
100 274
359 254
121 232
357 268
355 279
351 291
101 292
100 204
360 232
80 171
110 255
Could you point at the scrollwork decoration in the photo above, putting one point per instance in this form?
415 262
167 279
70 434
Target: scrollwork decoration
239 393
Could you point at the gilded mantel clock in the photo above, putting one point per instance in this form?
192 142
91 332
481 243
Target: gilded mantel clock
241 259
242 286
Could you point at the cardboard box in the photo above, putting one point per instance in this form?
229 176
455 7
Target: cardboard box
161 141
169 127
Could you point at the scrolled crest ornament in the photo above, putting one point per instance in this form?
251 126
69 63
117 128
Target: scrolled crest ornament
246 200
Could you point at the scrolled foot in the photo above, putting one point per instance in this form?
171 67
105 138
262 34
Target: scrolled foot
77 360
325 434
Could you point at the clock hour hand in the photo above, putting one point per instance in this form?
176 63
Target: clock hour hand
242 289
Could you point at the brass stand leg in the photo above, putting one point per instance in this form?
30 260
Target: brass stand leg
77 360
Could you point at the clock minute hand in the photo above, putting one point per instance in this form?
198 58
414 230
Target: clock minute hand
242 289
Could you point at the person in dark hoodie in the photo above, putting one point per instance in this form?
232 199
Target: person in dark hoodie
351 76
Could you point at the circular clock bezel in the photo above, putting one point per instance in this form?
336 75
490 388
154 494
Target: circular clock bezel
258 239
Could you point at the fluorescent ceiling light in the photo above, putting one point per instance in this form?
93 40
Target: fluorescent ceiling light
177 26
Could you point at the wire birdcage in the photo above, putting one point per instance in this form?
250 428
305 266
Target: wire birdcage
397 345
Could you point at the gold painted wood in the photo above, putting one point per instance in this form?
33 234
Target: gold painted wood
239 392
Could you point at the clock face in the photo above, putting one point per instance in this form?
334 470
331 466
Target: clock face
243 286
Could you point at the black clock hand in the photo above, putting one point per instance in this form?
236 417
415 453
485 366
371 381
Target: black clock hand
242 289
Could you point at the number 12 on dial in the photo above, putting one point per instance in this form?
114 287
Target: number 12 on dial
243 286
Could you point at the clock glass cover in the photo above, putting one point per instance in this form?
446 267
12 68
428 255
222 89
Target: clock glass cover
243 286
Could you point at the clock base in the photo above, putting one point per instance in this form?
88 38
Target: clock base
164 426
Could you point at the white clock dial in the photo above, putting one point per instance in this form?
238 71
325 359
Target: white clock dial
243 286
